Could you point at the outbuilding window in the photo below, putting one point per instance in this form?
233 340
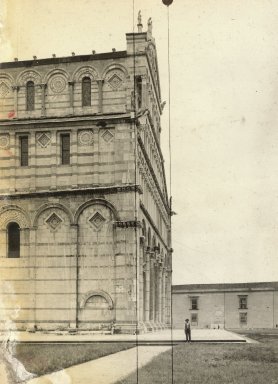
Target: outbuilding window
194 318
243 318
194 303
13 240
242 302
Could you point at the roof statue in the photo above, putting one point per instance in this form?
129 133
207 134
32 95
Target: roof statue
150 25
139 22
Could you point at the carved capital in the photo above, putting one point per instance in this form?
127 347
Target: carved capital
43 86
128 224
142 240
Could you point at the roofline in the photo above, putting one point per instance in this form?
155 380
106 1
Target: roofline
62 60
190 288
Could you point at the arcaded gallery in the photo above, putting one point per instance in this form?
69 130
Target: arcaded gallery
84 213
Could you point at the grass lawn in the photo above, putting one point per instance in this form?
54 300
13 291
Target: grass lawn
45 358
215 363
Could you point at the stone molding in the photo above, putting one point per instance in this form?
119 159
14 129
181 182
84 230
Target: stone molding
128 224
90 190
103 294
14 213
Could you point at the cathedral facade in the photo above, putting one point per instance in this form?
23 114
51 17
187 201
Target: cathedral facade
85 237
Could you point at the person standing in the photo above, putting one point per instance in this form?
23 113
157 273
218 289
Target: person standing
187 330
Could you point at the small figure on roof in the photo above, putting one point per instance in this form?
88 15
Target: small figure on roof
150 25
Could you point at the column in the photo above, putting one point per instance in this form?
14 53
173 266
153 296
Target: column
15 90
32 269
144 92
163 303
12 161
100 95
152 286
168 297
53 162
43 88
71 93
32 162
74 159
96 156
142 275
74 277
159 293
156 267
147 286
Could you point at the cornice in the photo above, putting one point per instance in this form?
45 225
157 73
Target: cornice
118 117
92 190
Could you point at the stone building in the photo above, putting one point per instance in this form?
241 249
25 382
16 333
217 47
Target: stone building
242 305
84 213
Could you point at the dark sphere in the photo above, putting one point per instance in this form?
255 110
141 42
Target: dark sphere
167 2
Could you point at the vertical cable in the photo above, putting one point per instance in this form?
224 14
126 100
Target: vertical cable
135 198
170 185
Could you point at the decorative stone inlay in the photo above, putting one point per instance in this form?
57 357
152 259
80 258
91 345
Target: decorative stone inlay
107 136
58 84
97 220
86 71
54 221
4 141
43 140
115 81
29 75
12 214
85 137
4 89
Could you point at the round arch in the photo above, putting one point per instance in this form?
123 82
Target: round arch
14 213
95 202
6 76
46 206
28 75
90 294
55 72
114 66
85 71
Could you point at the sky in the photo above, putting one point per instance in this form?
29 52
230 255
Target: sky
224 115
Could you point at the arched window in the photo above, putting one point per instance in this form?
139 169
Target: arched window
13 240
149 237
143 228
86 92
30 96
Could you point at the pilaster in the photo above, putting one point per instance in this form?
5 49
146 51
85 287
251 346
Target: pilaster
15 91
43 88
100 95
74 159
12 162
53 162
71 94
32 162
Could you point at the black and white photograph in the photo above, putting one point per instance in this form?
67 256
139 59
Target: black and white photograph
138 192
